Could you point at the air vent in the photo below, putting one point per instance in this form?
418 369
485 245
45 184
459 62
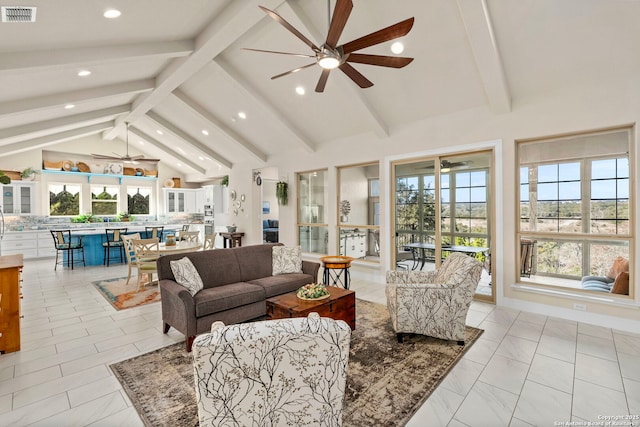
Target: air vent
18 14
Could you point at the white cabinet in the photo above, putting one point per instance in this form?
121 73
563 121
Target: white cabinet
18 199
24 242
45 245
353 244
199 193
221 199
182 200
208 194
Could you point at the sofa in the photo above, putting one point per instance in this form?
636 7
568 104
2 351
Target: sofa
270 230
236 283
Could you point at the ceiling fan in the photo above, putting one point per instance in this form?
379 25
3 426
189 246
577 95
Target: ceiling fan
447 165
126 158
330 55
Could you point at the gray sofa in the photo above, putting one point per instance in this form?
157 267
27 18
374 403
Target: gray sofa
237 282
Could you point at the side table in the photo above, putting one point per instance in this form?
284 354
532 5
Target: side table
233 239
336 270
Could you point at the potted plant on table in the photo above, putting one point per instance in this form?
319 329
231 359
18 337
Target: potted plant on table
124 217
29 174
4 179
86 218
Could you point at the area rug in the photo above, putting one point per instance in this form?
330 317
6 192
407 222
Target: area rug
123 296
387 382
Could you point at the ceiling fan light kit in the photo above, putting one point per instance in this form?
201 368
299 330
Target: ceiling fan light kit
126 158
330 55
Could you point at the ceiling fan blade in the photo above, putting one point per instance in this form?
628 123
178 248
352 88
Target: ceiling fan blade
339 19
355 75
295 70
290 27
323 80
302 55
381 60
389 33
104 157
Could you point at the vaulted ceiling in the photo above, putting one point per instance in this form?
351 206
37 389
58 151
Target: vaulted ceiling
178 67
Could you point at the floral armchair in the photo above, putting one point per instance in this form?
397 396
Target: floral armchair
277 372
433 303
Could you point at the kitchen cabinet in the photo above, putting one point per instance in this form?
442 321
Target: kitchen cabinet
221 199
182 200
23 242
199 196
10 270
18 198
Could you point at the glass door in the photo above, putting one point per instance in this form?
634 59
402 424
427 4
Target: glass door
443 205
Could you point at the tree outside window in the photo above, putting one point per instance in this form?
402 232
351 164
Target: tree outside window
64 199
104 200
138 200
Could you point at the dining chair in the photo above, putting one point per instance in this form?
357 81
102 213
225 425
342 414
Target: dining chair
154 232
147 252
127 240
114 241
209 241
188 236
67 245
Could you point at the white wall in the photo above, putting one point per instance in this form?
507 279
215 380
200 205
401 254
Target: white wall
567 110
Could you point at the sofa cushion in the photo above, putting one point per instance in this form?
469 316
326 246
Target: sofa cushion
187 275
282 283
621 285
216 267
595 285
287 260
220 298
254 261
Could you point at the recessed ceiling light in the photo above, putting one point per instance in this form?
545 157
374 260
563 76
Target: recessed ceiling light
200 158
159 132
112 13
300 90
84 73
69 106
179 164
141 142
397 47
242 115
205 132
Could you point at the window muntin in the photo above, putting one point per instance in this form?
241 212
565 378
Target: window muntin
64 199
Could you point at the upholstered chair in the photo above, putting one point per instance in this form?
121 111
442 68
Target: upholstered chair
433 303
272 373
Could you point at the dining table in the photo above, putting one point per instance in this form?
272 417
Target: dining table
181 246
422 247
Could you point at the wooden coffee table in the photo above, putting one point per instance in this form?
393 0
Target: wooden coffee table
341 305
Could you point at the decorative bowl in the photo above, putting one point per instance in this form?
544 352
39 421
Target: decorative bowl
231 229
313 292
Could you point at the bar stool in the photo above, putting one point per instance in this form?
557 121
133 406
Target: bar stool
154 232
114 241
64 244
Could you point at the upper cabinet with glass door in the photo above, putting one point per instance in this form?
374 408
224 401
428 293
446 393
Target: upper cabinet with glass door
18 199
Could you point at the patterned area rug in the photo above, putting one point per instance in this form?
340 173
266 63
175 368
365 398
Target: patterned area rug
386 381
123 296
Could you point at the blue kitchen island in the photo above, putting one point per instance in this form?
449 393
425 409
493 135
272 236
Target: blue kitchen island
92 239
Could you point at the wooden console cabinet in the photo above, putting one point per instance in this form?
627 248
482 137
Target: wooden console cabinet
10 269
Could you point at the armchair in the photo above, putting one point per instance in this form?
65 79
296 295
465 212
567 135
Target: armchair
277 372
433 303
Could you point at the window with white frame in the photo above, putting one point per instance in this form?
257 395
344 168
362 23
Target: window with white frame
139 200
104 200
64 199
312 211
574 207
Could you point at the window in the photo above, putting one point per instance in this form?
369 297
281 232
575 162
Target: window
138 200
574 205
104 200
64 199
312 211
359 212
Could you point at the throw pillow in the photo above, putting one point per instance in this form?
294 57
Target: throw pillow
186 275
620 264
286 260
621 285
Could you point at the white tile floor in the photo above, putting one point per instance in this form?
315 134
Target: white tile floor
526 369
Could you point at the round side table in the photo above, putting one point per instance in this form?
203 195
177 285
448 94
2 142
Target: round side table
336 270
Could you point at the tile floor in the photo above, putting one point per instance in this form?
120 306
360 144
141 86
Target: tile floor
525 369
